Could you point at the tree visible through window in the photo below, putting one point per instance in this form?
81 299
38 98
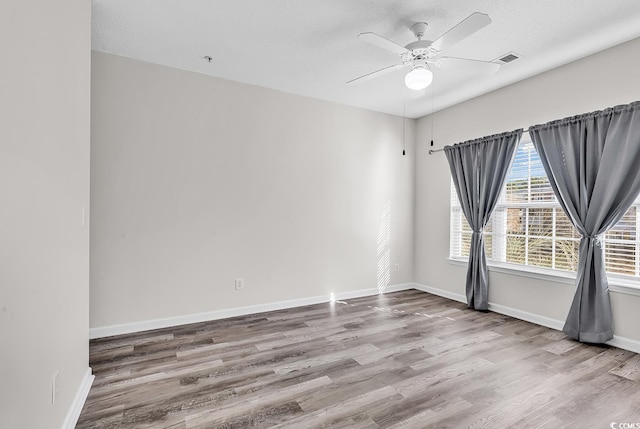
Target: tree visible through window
528 226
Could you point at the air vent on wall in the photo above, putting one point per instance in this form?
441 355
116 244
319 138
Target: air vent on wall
507 58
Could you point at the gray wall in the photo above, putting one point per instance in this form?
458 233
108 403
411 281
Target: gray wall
602 80
196 181
44 184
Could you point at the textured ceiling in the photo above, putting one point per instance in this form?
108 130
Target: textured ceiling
310 47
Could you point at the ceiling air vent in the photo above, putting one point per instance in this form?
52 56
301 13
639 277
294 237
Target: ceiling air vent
507 58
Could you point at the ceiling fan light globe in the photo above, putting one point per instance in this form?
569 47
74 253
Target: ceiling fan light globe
418 78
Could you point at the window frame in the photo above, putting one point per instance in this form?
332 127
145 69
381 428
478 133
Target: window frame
620 282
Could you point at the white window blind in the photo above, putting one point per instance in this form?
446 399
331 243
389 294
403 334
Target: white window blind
529 228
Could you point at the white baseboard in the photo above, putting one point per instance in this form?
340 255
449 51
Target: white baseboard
526 316
617 341
625 343
374 291
79 399
441 292
146 325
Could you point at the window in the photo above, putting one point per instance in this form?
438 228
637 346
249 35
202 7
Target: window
528 226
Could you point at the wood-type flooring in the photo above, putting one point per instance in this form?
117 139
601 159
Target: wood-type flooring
399 360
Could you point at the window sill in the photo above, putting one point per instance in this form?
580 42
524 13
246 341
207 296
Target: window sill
628 287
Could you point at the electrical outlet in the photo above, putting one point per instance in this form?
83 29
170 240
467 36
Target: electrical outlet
239 284
55 386
397 268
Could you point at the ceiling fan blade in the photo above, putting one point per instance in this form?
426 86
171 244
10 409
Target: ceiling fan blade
376 73
468 65
381 42
463 29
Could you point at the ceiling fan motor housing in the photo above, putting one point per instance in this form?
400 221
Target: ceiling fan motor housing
419 50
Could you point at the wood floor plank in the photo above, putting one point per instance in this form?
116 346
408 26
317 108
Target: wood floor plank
326 358
630 369
219 415
431 416
399 360
325 416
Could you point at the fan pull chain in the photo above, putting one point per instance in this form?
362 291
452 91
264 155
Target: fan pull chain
404 128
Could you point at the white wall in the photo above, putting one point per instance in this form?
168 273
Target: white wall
44 183
196 181
603 80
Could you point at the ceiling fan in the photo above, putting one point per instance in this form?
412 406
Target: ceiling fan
421 53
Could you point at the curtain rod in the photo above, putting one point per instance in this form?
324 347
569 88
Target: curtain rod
432 151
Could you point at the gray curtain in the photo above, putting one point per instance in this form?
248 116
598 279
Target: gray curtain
479 168
593 164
